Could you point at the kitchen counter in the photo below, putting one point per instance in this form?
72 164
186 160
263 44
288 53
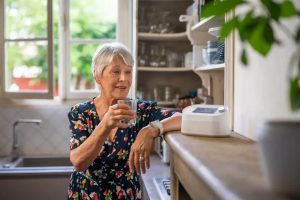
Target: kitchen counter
216 168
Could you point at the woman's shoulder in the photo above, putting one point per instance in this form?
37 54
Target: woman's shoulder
82 107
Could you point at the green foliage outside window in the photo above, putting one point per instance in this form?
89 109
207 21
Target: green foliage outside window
28 19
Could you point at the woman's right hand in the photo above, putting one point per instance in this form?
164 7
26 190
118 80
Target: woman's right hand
115 114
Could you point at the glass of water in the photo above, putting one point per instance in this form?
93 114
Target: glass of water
133 104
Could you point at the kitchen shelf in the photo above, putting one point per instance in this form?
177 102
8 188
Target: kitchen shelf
164 69
161 36
207 23
215 31
213 67
176 76
165 103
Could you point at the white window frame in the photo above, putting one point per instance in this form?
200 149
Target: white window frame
124 35
124 16
27 94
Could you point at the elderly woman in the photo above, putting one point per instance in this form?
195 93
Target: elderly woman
108 155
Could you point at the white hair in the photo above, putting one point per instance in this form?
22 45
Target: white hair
105 54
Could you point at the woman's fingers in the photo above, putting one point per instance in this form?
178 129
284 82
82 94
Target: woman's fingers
142 162
122 112
147 160
131 161
120 106
137 163
117 113
139 157
120 117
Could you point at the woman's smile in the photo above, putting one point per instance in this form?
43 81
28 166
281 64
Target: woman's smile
121 88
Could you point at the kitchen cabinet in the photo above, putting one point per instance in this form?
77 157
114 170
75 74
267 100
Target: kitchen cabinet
162 72
212 75
169 54
217 78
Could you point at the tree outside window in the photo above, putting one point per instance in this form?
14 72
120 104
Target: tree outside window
91 23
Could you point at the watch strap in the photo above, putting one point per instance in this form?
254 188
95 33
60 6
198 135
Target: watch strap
157 125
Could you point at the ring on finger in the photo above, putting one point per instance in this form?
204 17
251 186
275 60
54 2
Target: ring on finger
114 107
141 158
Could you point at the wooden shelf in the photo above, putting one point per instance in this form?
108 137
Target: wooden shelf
161 36
164 69
207 23
165 103
213 67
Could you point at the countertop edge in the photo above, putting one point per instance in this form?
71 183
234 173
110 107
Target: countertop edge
201 170
36 171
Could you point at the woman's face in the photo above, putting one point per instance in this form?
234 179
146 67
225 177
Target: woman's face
116 79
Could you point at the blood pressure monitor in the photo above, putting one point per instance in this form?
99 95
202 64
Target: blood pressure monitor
205 120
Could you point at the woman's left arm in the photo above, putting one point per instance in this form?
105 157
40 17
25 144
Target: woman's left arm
139 157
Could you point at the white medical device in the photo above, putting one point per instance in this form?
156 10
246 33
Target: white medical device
205 120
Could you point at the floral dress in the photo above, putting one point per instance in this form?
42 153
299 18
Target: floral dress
108 177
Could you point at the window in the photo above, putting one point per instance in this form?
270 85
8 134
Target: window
26 49
35 66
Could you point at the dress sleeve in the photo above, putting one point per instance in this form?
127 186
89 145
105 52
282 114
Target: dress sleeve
151 111
78 127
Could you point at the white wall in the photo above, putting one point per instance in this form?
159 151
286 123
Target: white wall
261 88
51 137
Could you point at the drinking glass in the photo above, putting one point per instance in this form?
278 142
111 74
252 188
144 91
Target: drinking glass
154 57
143 57
133 104
172 58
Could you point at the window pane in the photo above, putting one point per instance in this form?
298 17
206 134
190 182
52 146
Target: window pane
25 19
81 70
26 66
92 19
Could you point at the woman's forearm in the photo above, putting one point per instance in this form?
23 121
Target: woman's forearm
86 153
172 123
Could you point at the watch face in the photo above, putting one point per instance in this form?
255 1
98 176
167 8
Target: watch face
156 123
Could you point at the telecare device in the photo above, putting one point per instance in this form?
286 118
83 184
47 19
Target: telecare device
205 120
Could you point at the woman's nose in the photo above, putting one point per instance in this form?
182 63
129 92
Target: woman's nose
122 76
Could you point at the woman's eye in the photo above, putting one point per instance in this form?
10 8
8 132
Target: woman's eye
128 72
116 72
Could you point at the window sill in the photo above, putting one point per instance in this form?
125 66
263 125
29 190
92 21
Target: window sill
57 101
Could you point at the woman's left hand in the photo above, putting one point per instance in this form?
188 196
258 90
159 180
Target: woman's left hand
139 157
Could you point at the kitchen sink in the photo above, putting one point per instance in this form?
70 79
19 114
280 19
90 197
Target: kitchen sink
43 162
36 162
35 178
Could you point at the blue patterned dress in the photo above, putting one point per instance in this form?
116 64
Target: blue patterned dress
108 177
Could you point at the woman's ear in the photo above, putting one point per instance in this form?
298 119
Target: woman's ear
97 79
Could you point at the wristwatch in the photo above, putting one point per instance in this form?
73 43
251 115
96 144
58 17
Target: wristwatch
157 125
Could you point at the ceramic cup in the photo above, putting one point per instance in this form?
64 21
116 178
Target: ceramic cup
133 104
279 153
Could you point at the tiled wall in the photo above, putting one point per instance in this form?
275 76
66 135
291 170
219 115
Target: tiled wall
51 137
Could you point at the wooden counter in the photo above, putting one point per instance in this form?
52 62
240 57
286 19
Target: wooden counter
215 168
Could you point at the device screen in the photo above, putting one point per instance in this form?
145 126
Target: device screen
205 110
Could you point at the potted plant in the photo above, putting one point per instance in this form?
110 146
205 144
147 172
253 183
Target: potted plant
257 30
278 141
